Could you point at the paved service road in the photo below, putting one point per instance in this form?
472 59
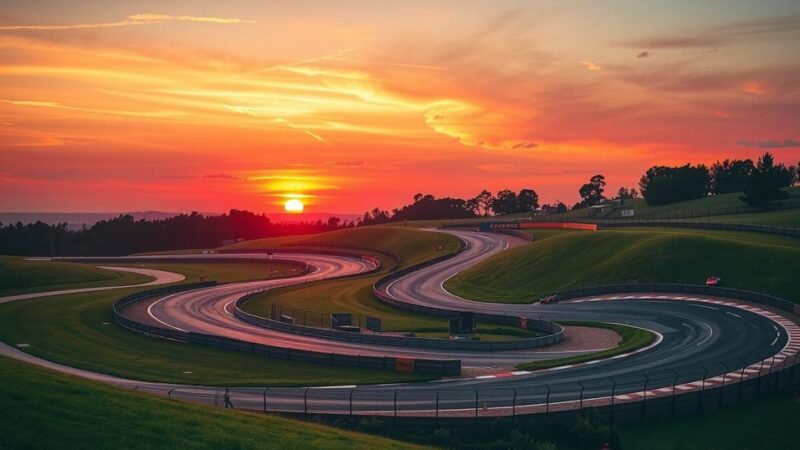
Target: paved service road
699 337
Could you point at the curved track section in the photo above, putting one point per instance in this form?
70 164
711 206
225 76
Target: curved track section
714 340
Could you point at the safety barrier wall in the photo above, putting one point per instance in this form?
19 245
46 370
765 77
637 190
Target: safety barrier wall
404 341
680 288
438 367
728 226
523 224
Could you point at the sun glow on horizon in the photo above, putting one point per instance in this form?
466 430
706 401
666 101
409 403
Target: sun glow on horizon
294 205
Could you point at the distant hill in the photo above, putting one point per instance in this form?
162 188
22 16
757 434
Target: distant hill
76 221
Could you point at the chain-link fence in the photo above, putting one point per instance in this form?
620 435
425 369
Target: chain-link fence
633 398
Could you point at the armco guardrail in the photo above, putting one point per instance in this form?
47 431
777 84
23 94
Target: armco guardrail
680 288
394 340
440 367
554 332
728 226
624 398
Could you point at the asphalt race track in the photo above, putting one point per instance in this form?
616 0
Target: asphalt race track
699 338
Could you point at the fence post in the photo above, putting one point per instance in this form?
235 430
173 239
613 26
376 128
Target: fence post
547 401
703 387
759 377
644 397
476 403
613 394
580 399
265 400
722 388
674 384
437 404
169 393
305 401
741 379
514 403
395 407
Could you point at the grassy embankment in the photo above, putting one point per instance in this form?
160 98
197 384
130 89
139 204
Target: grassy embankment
21 276
77 330
752 261
43 409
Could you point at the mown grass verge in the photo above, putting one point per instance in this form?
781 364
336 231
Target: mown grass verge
632 339
44 409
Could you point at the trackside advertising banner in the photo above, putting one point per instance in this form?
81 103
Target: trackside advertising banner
489 226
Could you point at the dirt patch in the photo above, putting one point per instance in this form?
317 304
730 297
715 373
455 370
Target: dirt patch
585 338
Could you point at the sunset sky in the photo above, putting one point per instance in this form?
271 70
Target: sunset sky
210 105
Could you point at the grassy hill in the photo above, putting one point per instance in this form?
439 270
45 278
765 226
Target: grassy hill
43 409
410 244
20 276
570 260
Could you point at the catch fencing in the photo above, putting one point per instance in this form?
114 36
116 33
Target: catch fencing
633 398
443 367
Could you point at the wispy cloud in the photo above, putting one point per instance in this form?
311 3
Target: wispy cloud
723 34
133 20
786 143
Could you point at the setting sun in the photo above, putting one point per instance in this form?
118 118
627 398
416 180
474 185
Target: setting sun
293 205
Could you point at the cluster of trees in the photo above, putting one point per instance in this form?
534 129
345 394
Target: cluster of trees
760 182
428 207
124 235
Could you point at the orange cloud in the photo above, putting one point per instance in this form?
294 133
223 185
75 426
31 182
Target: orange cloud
132 20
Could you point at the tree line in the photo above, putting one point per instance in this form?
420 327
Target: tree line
760 182
124 235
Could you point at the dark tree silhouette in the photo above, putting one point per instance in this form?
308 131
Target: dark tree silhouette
592 192
627 194
661 185
766 180
483 203
730 175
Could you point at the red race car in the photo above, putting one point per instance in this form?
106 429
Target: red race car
713 281
546 300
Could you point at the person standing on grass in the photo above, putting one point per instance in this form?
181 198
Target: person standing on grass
227 397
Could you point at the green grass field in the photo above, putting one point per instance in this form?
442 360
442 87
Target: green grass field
752 261
632 339
21 276
43 409
77 330
768 424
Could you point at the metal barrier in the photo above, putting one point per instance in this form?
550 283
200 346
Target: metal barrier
680 288
406 341
728 226
444 367
634 398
